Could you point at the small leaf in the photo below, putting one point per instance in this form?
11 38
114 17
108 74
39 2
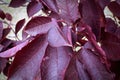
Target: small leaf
17 3
26 65
5 32
2 14
19 25
33 7
11 52
55 63
8 16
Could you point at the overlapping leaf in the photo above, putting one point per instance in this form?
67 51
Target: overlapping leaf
40 25
111 45
68 9
51 4
55 63
1 29
95 18
94 66
33 7
26 64
11 52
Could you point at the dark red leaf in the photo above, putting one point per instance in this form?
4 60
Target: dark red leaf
114 8
111 26
117 32
71 72
68 9
8 16
94 66
93 15
2 64
26 65
51 4
118 1
11 52
1 29
39 25
19 25
76 70
6 43
83 75
103 3
33 7
5 32
17 3
111 45
55 63
2 14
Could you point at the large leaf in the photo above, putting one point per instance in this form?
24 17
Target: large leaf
33 7
68 9
111 44
93 15
56 38
26 65
55 63
11 52
40 25
51 4
76 70
94 66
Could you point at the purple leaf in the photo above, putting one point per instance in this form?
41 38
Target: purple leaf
117 32
17 3
19 25
33 7
55 63
56 38
94 66
1 29
5 32
83 75
111 26
2 64
51 4
111 45
103 3
11 52
40 25
71 72
114 8
8 16
26 64
68 9
2 14
93 15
